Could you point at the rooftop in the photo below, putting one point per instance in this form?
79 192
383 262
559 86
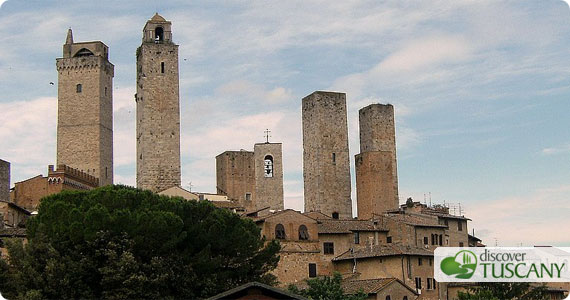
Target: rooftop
347 226
383 250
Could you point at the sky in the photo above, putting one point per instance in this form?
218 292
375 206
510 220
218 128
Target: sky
481 91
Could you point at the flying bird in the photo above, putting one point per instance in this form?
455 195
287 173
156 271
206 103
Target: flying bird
51 83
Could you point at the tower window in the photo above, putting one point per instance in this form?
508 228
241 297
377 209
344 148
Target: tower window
303 233
334 158
78 88
158 35
268 166
459 226
105 91
312 270
162 67
247 196
280 232
328 248
335 215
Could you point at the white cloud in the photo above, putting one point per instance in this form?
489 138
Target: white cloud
556 150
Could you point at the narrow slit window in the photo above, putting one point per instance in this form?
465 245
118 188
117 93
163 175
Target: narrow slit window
78 88
334 157
162 67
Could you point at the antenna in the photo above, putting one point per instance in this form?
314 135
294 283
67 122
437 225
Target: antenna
267 136
429 199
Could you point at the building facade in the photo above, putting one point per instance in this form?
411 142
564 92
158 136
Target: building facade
85 109
158 108
268 175
326 165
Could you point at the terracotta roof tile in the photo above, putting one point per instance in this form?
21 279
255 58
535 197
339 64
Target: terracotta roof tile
347 226
383 250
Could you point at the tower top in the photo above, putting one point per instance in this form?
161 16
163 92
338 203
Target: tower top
72 49
69 38
157 30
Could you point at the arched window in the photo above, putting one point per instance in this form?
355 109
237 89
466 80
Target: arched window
78 88
83 52
303 233
335 215
159 35
268 166
388 297
280 232
405 298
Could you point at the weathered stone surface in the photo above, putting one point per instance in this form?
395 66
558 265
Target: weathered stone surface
158 109
326 166
235 177
85 109
4 181
268 189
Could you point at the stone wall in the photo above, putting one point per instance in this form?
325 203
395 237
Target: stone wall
235 176
376 166
85 113
268 189
4 180
326 166
158 114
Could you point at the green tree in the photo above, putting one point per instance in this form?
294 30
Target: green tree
118 242
326 288
504 291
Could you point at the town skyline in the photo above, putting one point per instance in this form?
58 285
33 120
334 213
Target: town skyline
481 109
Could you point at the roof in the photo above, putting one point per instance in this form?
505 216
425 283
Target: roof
266 290
317 215
371 286
347 226
274 214
415 220
157 18
472 237
17 207
382 251
443 215
225 204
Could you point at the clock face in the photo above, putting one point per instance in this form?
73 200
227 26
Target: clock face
268 166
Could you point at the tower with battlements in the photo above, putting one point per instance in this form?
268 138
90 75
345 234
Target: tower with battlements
326 166
85 109
376 169
158 108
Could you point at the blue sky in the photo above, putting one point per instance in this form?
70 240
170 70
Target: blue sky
481 91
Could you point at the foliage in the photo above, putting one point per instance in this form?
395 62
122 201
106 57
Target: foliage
118 242
326 288
504 291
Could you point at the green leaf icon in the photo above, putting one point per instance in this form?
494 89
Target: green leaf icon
463 264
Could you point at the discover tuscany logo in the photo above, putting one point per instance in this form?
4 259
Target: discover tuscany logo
502 264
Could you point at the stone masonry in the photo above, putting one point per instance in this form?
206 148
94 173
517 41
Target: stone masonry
85 109
376 168
326 166
158 108
235 177
4 181
268 175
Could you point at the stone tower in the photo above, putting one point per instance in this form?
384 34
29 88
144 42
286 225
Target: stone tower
85 109
326 166
376 169
158 108
235 177
268 175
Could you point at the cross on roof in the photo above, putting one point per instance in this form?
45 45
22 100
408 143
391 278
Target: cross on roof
267 136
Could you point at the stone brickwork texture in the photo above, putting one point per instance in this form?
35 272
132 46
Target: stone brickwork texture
158 109
235 176
4 181
376 166
326 165
85 109
268 190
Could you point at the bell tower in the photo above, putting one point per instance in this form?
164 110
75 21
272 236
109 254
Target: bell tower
85 108
158 108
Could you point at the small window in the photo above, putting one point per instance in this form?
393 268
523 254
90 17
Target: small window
459 225
334 157
79 88
388 240
441 240
312 270
328 248
388 297
419 261
418 283
268 166
357 237
430 261
405 298
446 223
280 232
303 233
158 35
460 244
429 284
425 240
247 196
105 91
162 67
106 172
335 215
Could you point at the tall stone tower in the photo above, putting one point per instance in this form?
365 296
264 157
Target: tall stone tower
158 108
376 168
235 177
268 175
85 109
326 166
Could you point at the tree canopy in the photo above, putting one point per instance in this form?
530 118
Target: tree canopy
326 288
118 242
504 291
